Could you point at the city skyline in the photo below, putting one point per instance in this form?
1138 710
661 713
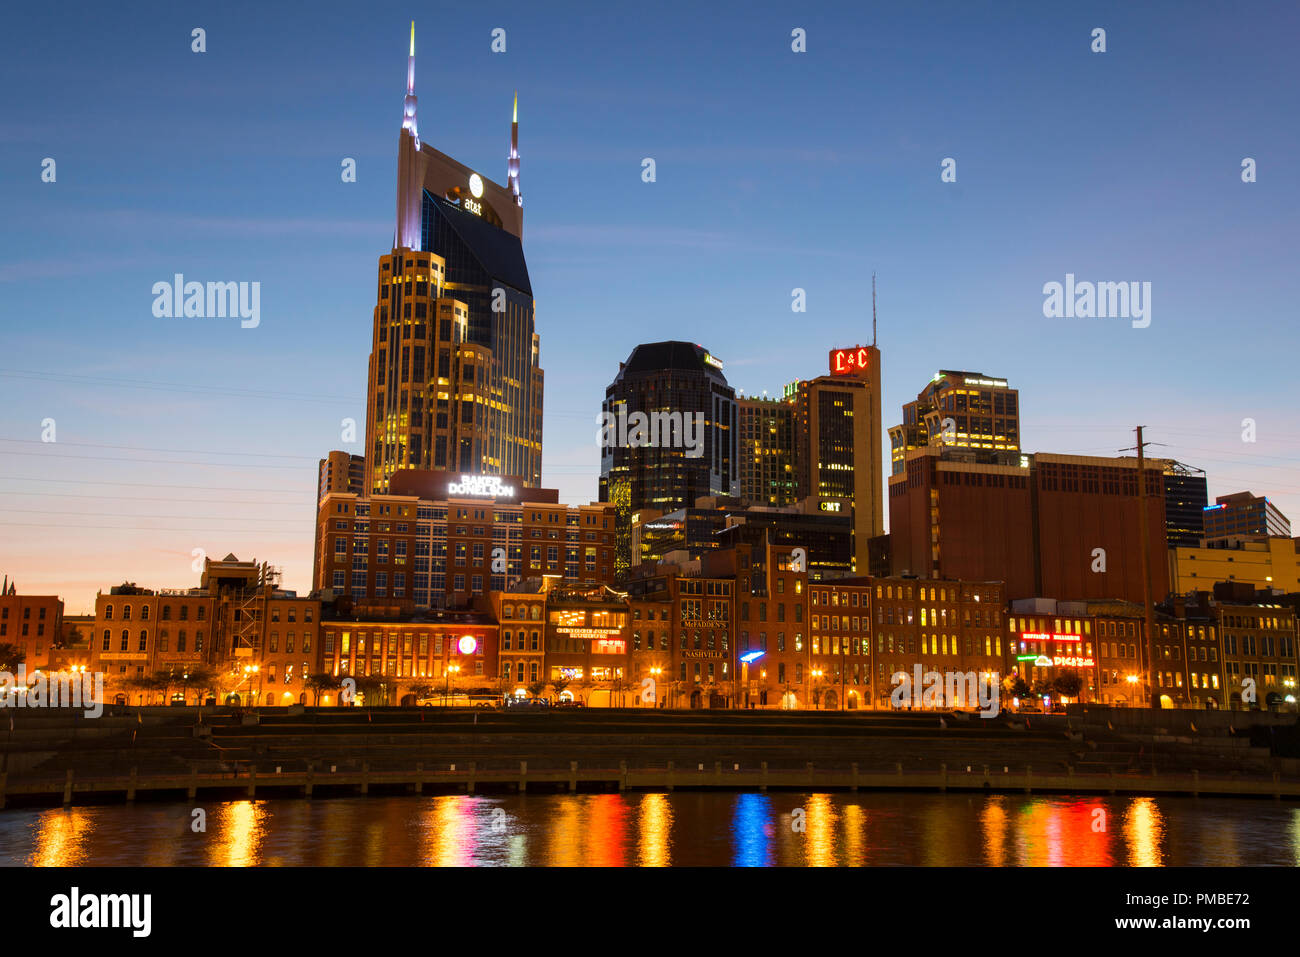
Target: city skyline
155 411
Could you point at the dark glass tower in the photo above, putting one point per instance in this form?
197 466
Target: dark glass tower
667 378
1185 499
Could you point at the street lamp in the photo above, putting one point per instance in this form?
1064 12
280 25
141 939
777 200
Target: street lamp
249 671
815 674
655 673
447 687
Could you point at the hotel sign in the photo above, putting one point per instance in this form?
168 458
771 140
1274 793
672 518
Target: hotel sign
481 486
853 361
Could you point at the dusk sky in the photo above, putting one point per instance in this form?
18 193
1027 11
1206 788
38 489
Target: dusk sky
775 170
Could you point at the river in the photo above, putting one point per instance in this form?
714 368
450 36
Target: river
664 829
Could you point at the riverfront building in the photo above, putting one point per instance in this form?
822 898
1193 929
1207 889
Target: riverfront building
447 540
31 623
249 640
1054 525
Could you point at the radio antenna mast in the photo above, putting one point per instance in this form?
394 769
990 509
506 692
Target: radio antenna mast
873 308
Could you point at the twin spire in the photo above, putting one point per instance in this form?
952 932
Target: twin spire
408 109
409 123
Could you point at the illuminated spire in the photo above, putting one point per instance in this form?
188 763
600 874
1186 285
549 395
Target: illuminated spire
410 165
408 111
512 165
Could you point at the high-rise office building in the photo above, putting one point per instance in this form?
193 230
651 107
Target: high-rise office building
454 378
670 434
1185 498
1244 515
967 410
837 429
768 473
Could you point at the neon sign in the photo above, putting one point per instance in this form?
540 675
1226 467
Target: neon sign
473 207
599 634
608 646
1070 661
1043 636
712 360
850 361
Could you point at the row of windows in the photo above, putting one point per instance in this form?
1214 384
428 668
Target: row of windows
27 613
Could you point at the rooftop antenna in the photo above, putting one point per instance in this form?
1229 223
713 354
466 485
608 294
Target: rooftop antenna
873 308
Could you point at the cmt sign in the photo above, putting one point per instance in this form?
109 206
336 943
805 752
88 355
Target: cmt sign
850 361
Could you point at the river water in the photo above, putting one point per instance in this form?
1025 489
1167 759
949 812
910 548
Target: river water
658 829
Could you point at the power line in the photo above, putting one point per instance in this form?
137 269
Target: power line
46 511
143 448
145 528
136 498
109 458
76 379
203 488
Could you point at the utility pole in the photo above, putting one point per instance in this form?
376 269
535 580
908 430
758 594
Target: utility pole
1146 561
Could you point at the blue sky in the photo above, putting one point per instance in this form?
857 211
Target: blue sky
775 170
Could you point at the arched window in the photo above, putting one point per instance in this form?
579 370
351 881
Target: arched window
144 612
537 612
108 612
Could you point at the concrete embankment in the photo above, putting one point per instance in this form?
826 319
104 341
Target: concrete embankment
178 753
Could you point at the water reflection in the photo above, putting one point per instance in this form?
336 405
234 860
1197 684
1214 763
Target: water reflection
654 827
1143 830
659 830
